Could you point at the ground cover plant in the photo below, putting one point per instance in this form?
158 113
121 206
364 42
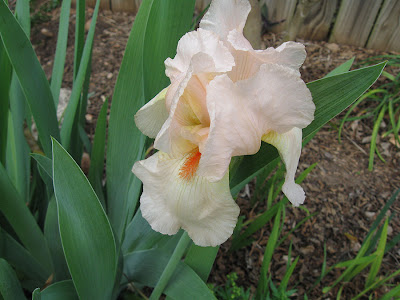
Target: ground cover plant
67 216
385 104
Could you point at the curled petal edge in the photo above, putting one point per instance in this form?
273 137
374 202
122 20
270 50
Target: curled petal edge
206 210
289 147
150 118
224 16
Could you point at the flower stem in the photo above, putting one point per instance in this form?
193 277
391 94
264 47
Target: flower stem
171 266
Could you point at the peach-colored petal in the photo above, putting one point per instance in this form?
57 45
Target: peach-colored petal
150 118
181 114
203 51
189 111
224 16
275 99
205 210
288 145
200 56
248 60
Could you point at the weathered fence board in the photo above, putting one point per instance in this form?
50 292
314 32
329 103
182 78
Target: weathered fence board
366 23
202 4
279 11
386 32
355 21
318 20
104 4
124 5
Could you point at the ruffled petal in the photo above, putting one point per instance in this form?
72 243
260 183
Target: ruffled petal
188 109
170 201
226 15
203 51
150 118
275 99
248 60
200 56
289 147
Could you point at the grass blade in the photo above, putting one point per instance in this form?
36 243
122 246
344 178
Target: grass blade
254 226
269 251
288 274
61 51
22 13
381 215
97 157
79 34
377 125
71 116
393 242
343 68
393 293
380 251
350 110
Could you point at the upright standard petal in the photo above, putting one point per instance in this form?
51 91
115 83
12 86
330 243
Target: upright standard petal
289 147
150 118
248 60
174 197
200 56
224 16
187 115
203 51
275 99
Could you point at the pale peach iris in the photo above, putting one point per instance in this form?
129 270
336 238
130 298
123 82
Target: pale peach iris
225 98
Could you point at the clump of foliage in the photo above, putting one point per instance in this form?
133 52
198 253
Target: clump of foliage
380 104
231 291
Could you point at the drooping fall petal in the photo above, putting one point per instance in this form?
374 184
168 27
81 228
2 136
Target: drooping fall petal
175 197
288 145
275 99
150 118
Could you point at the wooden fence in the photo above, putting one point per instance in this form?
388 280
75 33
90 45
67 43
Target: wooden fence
365 23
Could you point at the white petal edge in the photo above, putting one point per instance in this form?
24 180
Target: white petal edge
150 118
289 54
202 50
289 147
205 210
166 140
224 16
275 99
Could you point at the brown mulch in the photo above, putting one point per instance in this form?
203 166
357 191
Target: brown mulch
345 194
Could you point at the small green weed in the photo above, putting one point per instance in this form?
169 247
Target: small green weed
231 291
41 13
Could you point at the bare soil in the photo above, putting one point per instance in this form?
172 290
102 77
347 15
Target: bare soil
345 194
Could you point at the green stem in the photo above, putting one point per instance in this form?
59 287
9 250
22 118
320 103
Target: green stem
171 266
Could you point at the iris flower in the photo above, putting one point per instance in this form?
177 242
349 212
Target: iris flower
224 99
